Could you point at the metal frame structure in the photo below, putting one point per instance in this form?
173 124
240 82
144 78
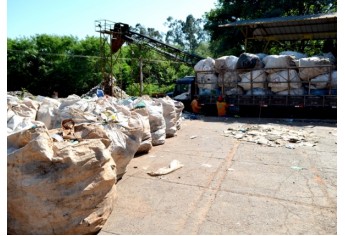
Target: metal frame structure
104 27
114 35
289 28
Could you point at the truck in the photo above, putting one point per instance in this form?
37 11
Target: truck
260 100
316 97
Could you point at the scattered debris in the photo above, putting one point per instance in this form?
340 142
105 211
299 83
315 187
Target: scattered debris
117 92
174 165
297 168
68 128
290 146
309 144
206 165
272 135
57 137
193 137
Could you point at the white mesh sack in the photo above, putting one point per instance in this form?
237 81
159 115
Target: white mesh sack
274 63
207 80
253 79
313 66
228 79
323 81
225 63
295 55
207 64
283 80
292 92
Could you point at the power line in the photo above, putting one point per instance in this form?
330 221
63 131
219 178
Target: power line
96 57
56 54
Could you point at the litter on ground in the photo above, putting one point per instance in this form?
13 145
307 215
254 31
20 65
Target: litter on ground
272 135
174 165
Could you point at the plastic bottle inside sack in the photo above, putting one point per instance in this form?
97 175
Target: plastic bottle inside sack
100 93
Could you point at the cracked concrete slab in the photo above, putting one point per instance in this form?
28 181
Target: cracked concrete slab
252 214
228 186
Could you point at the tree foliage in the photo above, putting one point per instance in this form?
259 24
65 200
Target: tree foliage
188 34
43 64
229 41
150 32
159 72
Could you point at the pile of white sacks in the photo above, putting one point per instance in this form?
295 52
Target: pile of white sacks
260 74
65 156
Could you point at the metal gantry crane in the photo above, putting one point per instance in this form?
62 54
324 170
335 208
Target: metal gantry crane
116 34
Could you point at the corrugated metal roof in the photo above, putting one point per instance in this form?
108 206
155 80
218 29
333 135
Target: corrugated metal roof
318 26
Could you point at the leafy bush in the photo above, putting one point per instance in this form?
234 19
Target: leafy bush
148 89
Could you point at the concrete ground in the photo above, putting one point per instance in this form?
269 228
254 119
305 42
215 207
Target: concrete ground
227 186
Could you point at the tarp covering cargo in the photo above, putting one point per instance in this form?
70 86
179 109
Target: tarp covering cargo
249 61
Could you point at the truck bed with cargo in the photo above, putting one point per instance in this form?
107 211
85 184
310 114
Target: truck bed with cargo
263 97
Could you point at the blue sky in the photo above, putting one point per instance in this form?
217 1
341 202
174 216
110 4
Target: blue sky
76 17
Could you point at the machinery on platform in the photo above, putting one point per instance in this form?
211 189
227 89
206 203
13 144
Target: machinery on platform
321 26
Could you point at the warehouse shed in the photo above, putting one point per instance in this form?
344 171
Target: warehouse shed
289 28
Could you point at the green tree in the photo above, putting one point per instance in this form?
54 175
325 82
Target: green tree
20 54
44 63
150 32
159 70
174 36
187 35
228 41
193 32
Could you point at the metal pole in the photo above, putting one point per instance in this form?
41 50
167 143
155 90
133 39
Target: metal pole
141 76
101 49
111 74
